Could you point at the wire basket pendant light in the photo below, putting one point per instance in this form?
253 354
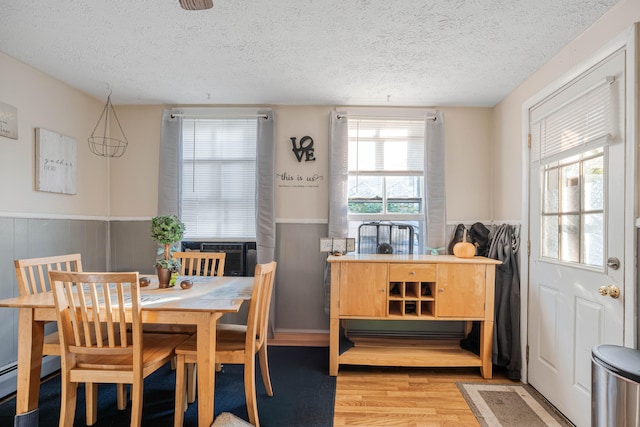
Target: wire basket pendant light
108 145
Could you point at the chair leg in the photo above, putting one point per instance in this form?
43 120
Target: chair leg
181 393
250 389
192 376
137 391
121 396
68 397
91 399
264 369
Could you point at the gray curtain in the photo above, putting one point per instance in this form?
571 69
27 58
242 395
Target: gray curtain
170 164
435 215
338 174
265 197
338 179
265 186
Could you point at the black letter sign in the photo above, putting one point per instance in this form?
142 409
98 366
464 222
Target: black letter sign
306 147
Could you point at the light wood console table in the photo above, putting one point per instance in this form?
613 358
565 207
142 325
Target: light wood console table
411 287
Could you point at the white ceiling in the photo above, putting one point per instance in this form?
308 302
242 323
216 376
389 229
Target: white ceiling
301 52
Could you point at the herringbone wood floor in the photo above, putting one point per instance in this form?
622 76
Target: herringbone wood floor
405 397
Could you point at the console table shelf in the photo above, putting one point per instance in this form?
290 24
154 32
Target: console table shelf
411 287
394 352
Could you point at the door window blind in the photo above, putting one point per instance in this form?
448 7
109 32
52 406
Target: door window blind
580 123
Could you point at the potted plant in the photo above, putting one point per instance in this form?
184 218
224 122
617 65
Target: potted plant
166 231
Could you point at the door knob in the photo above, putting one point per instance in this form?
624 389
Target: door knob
612 290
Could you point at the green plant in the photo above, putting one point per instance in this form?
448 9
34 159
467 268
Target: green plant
166 231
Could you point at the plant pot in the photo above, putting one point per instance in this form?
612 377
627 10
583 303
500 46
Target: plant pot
164 277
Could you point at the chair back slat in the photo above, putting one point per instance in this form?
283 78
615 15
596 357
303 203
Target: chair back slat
96 310
269 272
259 287
195 263
32 273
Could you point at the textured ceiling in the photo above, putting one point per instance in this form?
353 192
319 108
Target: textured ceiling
307 52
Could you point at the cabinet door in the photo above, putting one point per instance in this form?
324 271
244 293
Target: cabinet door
363 289
460 290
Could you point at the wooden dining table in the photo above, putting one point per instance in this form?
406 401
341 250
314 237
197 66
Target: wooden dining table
201 305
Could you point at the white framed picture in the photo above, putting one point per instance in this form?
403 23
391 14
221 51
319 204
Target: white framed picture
56 162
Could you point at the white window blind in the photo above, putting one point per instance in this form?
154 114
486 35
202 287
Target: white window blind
218 189
579 123
386 167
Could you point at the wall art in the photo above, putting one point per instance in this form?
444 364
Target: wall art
56 162
8 121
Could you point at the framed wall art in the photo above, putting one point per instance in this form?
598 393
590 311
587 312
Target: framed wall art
56 162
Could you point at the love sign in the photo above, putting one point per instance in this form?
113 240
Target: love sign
304 148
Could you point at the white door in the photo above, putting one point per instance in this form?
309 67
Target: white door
577 233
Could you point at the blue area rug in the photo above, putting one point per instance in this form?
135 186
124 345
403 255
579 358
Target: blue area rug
304 395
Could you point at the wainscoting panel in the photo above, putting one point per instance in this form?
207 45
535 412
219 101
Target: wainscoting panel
31 238
132 248
299 291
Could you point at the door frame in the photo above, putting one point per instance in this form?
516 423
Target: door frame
627 40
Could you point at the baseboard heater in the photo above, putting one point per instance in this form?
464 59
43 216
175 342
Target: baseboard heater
9 374
240 260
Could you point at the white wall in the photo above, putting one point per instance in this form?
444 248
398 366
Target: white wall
507 117
45 102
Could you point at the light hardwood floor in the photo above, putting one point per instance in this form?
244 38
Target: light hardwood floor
405 397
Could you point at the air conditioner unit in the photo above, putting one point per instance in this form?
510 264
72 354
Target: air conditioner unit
240 259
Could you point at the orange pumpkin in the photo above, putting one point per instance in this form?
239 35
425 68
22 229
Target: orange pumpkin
464 249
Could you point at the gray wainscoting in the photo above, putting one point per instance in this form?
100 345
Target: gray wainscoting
132 248
32 238
299 289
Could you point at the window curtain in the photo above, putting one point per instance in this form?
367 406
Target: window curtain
338 178
434 212
170 164
265 185
265 197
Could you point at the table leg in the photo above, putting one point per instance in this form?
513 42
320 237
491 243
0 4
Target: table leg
206 350
334 346
30 340
486 349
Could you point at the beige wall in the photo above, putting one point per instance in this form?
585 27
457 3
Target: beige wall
507 120
134 176
44 102
468 164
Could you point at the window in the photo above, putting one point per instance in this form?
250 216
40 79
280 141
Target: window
386 172
573 209
569 142
218 192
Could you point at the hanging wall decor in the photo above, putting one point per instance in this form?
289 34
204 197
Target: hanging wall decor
56 162
107 140
8 121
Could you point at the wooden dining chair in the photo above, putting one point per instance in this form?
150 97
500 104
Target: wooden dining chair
195 263
33 278
236 344
101 338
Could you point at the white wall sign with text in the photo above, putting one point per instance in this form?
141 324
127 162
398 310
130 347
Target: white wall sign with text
56 162
8 121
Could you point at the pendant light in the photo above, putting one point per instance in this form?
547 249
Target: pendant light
196 4
110 143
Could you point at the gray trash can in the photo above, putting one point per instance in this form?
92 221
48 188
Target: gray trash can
615 386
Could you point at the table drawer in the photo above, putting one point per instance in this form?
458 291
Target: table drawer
412 272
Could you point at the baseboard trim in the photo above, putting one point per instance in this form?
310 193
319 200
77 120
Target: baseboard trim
300 339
